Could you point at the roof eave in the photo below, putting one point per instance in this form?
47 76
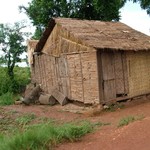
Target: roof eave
45 36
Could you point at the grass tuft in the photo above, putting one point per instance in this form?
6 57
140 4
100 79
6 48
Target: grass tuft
129 119
24 120
6 99
45 136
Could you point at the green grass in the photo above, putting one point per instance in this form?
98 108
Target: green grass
25 119
29 132
6 99
9 87
44 136
129 119
114 107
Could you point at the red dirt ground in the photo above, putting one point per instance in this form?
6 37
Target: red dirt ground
135 136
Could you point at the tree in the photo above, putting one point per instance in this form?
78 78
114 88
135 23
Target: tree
106 10
41 11
11 44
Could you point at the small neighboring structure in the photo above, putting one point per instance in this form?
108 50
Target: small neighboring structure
91 61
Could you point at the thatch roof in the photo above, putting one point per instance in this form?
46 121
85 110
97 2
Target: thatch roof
31 46
32 43
100 35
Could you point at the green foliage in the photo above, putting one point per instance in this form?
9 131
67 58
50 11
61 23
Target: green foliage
114 107
73 132
44 136
6 99
22 76
97 9
41 11
99 124
126 120
15 85
9 87
25 119
27 131
11 41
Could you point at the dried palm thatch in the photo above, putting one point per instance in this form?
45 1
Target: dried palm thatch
31 46
99 35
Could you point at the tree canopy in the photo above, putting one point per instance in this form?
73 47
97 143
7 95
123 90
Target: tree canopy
41 11
11 45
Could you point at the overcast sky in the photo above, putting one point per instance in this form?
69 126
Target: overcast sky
132 14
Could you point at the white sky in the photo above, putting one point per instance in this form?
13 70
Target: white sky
135 17
9 11
132 14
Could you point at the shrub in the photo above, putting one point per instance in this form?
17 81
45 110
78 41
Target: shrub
8 86
6 99
16 85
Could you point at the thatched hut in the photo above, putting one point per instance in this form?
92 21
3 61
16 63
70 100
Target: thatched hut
92 61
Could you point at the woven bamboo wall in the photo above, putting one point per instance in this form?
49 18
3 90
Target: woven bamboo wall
62 41
73 67
51 73
138 72
74 75
83 76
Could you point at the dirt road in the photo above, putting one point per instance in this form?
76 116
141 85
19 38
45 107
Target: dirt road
135 136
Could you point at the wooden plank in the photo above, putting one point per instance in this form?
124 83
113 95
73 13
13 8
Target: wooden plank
63 75
100 77
32 69
62 67
126 80
108 65
108 70
44 72
56 75
49 76
90 77
75 75
119 74
61 98
109 89
53 71
36 69
64 86
68 79
41 72
39 69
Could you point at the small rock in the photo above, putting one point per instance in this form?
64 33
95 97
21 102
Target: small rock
105 107
18 102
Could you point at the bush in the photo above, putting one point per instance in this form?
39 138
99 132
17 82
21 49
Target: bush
8 86
6 99
16 85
